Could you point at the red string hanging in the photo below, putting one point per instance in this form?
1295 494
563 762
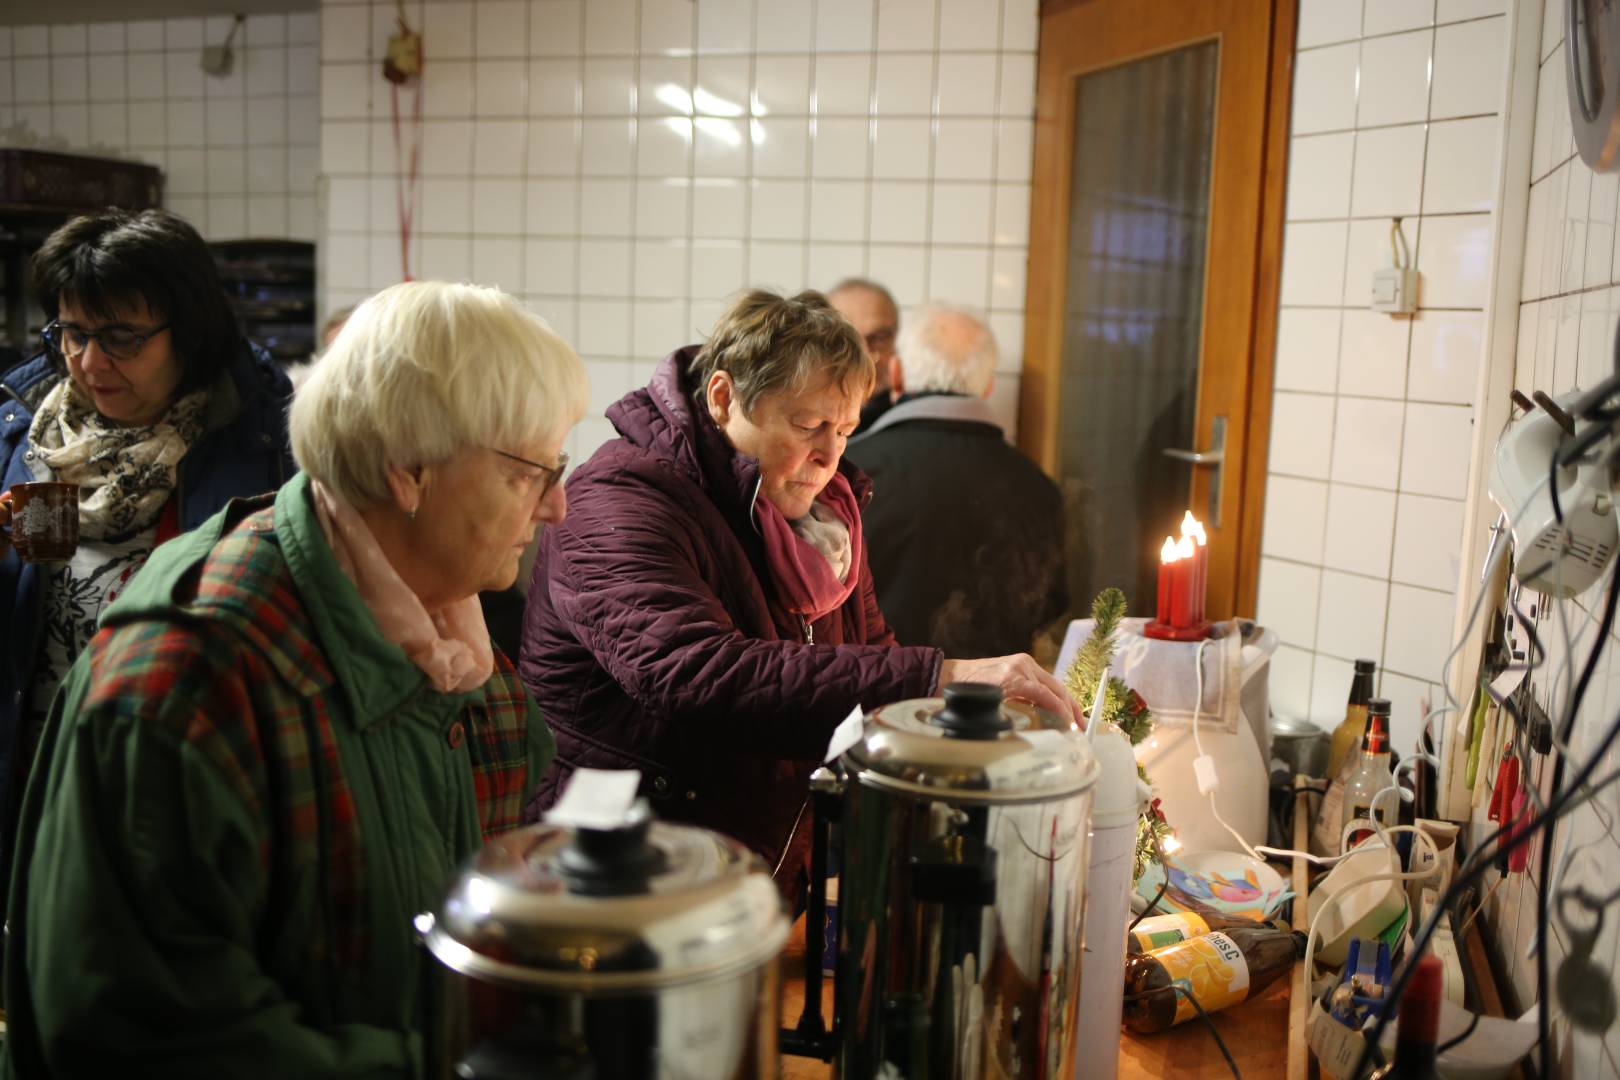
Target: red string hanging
403 67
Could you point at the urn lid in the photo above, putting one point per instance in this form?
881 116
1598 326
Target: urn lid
608 905
971 746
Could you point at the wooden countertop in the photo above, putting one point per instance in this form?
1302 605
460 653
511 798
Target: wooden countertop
1266 1036
1256 1032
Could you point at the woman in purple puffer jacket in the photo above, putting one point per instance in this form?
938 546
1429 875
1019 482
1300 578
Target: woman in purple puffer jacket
705 614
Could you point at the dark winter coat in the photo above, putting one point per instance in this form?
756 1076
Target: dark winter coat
656 638
966 538
243 451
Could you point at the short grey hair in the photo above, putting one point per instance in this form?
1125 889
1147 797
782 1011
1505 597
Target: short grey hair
771 344
424 370
947 349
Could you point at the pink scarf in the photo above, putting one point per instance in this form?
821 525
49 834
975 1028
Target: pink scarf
452 648
804 577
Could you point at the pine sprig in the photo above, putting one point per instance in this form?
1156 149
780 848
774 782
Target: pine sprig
1121 704
1097 652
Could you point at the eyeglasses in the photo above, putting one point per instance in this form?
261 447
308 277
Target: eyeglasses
118 342
550 474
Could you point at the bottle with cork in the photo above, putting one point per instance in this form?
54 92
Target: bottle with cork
1219 969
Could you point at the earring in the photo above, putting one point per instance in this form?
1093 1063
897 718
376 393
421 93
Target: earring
410 515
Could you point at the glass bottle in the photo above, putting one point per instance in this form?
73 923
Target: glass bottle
1354 724
1371 776
1158 931
1221 969
1342 757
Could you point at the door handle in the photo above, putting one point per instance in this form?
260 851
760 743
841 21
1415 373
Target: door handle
1212 458
1196 457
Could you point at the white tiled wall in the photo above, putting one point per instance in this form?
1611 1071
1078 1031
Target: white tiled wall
627 164
1365 511
1570 297
1395 114
238 151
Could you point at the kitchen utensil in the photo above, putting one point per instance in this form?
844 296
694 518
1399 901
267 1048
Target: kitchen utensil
633 950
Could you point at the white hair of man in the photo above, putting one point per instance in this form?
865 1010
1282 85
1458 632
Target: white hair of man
947 349
424 370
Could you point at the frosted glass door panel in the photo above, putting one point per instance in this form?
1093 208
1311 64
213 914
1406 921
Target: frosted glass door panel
1133 313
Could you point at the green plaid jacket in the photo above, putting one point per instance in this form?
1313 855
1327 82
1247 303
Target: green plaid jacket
244 795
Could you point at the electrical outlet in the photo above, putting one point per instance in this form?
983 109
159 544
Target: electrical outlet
404 60
1394 289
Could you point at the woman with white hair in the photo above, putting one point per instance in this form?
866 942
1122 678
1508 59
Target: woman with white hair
291 728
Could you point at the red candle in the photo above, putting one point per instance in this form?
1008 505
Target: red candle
1192 533
1184 585
1203 579
1167 556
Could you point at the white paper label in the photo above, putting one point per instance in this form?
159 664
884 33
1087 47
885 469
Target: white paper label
596 799
1047 749
1337 1048
846 734
1505 684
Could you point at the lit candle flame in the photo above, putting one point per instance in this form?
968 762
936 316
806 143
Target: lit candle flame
1184 549
1171 844
1191 526
1168 553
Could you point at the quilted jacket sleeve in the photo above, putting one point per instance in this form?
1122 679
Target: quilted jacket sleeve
626 575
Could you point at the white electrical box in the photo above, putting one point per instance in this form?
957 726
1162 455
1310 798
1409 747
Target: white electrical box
1394 289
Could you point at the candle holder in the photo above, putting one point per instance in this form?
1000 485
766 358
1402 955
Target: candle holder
1183 582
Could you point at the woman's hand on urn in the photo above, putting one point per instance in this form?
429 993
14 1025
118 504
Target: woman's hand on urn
5 522
1019 676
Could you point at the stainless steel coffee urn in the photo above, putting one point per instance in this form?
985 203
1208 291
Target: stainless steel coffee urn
964 827
645 950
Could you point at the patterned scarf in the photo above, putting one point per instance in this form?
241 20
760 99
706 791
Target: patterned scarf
125 474
815 560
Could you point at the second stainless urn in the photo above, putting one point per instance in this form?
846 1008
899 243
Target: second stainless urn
962 898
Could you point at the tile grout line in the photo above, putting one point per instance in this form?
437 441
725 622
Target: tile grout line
995 157
1433 24
1406 409
933 153
1338 363
689 332
870 180
1324 132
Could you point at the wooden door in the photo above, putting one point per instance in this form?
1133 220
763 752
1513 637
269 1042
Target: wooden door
1155 251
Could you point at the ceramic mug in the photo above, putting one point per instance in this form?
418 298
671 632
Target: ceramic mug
45 521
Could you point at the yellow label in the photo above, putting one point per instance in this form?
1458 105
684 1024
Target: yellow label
1212 967
1163 930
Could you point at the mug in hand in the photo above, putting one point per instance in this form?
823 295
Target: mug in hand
45 521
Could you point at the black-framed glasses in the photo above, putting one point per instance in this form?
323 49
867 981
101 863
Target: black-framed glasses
118 342
551 474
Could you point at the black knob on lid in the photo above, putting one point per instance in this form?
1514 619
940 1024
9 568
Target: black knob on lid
612 862
972 711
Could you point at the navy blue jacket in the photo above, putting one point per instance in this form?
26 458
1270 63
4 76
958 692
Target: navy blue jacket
244 451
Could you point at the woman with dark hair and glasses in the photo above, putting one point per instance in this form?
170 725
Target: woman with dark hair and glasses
148 396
